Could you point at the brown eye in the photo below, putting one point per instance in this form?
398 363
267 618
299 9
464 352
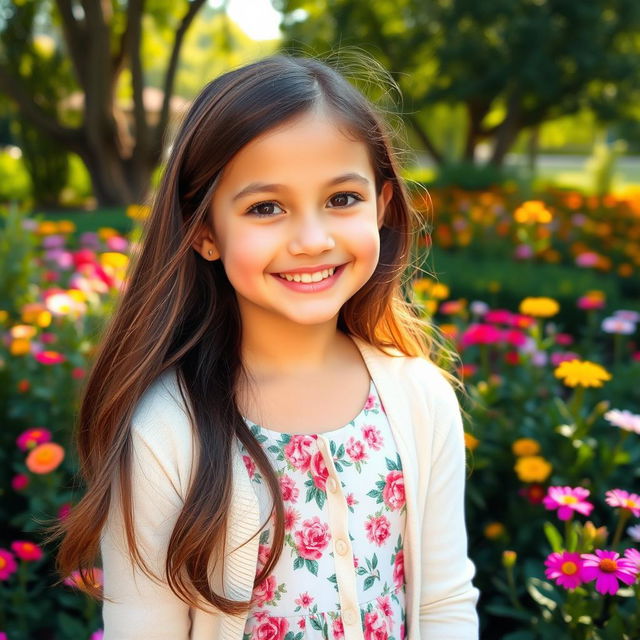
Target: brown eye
264 209
342 199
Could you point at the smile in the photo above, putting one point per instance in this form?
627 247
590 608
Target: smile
311 282
316 276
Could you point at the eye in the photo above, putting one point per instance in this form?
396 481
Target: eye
342 199
264 209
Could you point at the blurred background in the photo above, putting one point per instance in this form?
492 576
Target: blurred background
520 127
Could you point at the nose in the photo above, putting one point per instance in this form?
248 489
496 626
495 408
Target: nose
311 235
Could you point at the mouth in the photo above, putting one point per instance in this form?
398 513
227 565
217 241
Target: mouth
308 277
312 281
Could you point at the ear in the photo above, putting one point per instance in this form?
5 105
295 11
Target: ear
205 244
383 200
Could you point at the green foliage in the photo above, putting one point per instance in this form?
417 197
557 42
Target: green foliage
15 184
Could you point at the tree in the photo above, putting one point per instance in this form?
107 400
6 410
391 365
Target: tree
102 40
512 64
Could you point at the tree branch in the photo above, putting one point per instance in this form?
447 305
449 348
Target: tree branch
66 136
75 35
424 137
135 10
194 7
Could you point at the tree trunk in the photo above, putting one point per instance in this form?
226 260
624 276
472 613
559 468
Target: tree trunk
476 113
507 131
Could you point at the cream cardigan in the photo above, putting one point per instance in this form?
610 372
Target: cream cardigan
424 415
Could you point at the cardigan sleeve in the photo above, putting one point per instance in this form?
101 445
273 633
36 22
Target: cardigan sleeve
448 598
142 607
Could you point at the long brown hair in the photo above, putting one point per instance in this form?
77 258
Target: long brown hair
179 311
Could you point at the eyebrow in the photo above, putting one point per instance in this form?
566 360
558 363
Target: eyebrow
260 187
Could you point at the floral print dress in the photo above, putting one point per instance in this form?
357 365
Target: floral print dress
341 572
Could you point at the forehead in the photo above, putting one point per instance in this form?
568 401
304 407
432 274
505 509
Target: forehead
310 147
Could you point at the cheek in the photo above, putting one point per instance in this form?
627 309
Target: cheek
246 256
365 242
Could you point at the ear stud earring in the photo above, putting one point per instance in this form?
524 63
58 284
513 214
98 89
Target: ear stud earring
209 252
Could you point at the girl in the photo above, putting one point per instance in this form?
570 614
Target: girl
268 450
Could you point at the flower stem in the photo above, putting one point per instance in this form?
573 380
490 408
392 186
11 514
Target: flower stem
512 589
622 519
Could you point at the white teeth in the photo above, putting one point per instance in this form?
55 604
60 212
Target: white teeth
317 276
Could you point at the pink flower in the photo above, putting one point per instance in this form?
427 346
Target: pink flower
624 500
499 316
393 492
372 436
338 629
564 567
398 569
298 452
8 564
291 516
587 259
49 357
32 437
312 539
378 529
270 628
266 591
590 302
627 314
568 500
64 511
288 489
355 449
19 482
305 600
264 551
97 635
351 501
633 555
250 465
93 575
385 606
319 471
27 551
370 403
557 357
606 568
564 339
375 626
623 419
478 333
514 337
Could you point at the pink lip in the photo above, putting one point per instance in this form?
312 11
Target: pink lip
311 287
320 267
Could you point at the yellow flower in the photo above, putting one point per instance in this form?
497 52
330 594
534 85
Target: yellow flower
104 233
47 228
439 291
23 331
470 442
422 285
4 316
138 211
509 558
525 447
20 346
449 330
539 307
114 259
494 530
533 469
532 212
66 226
581 373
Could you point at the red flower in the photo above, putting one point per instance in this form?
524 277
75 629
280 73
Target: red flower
291 516
250 465
298 452
398 569
312 538
375 626
378 529
393 492
19 481
266 591
372 436
288 489
270 629
319 471
355 449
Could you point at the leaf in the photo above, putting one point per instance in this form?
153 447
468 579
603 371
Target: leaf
391 465
553 536
298 562
338 466
543 593
321 496
312 565
274 448
374 561
332 447
374 493
369 582
340 453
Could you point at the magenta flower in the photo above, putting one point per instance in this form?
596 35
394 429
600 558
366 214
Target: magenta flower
499 316
478 333
633 555
32 437
564 568
8 564
623 500
606 568
567 500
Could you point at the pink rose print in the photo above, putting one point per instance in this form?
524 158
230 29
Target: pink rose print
263 554
298 452
266 591
351 500
319 471
398 569
291 516
355 449
375 626
401 632
288 489
356 562
312 539
378 529
270 629
370 403
338 629
385 604
250 465
305 600
302 623
393 492
372 436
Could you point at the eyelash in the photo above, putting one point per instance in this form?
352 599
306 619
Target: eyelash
252 208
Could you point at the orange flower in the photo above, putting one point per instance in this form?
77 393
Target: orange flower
45 458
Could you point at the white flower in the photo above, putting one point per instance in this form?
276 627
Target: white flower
623 419
634 532
626 314
618 324
479 308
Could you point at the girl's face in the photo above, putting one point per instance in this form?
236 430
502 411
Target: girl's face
292 206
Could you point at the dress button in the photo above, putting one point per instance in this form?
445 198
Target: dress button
332 484
349 616
341 546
